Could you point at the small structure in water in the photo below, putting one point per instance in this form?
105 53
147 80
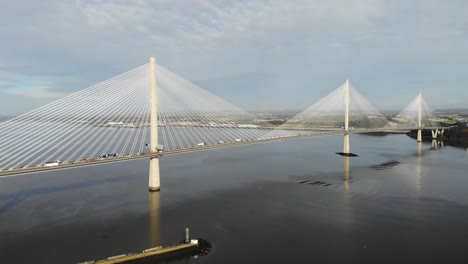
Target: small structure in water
347 154
185 249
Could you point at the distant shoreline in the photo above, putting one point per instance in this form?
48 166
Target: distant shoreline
461 142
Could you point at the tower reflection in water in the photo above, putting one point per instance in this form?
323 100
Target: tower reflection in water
346 173
418 168
437 143
154 210
348 215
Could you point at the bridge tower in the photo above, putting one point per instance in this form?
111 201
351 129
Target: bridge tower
420 118
346 148
154 181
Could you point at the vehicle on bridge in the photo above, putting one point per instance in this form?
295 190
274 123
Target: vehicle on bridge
201 144
52 163
110 155
238 140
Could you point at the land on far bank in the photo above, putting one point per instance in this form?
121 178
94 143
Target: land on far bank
456 135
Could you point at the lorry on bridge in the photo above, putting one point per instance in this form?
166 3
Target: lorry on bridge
52 163
110 155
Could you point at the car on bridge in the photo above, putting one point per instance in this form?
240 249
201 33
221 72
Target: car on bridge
201 144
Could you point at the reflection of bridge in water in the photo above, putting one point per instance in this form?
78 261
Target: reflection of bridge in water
150 112
154 219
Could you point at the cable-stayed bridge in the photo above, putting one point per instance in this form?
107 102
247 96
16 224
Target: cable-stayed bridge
150 111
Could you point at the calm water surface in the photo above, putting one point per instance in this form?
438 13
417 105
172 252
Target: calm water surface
293 201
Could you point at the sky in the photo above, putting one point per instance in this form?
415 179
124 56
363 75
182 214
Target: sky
258 55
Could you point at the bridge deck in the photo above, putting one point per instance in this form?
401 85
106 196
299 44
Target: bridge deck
75 164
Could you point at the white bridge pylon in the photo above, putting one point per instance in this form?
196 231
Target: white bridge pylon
343 109
112 119
416 115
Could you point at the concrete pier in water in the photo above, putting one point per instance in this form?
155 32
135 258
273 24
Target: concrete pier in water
154 179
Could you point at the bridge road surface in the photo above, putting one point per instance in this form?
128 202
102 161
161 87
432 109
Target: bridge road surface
69 165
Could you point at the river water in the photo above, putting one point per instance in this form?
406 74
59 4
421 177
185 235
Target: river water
292 201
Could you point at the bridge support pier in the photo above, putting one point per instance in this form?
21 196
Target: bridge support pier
346 148
419 139
346 143
436 133
154 180
419 135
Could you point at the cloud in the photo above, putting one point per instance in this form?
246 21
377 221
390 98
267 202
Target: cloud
386 48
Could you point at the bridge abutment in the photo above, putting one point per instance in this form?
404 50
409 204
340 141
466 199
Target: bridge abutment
436 133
